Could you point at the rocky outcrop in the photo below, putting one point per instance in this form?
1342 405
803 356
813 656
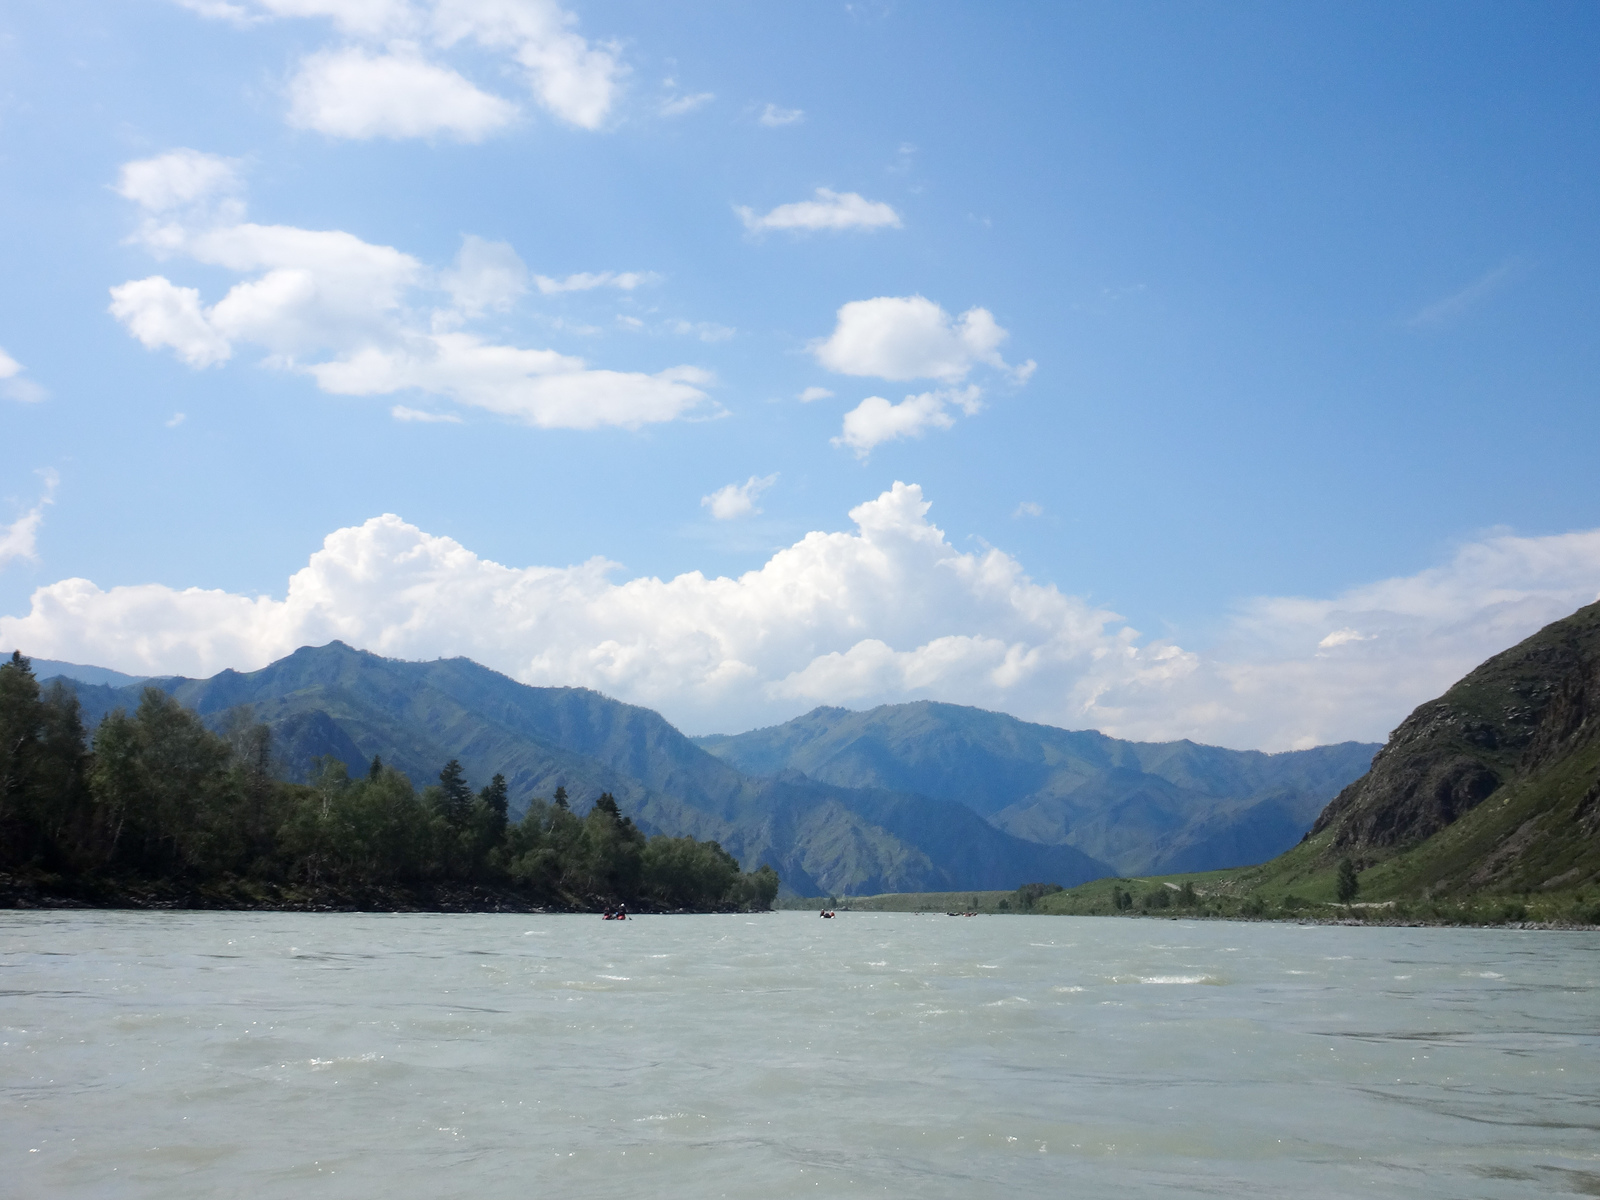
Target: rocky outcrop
1518 715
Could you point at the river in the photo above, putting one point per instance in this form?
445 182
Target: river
264 1055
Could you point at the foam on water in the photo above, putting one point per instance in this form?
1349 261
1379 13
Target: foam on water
180 1055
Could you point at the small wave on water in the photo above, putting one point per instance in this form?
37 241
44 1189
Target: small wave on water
762 1062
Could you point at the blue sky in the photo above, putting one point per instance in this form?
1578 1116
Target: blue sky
1220 331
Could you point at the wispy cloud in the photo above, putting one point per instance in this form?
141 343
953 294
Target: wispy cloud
706 331
20 538
830 211
1028 508
679 105
401 413
587 281
14 386
1448 311
774 117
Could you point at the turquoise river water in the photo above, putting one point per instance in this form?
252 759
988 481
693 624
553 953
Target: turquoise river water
266 1055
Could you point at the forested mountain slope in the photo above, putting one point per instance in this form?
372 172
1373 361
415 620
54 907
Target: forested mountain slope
1145 807
417 716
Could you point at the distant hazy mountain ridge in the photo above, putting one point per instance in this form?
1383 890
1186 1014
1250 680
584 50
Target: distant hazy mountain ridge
1145 807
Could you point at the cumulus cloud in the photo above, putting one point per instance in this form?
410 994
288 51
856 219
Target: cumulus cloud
887 611
20 538
737 499
911 337
164 316
875 420
391 84
342 310
12 384
814 393
774 117
830 210
350 93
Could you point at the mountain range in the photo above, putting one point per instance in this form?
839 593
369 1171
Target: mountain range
1143 807
915 797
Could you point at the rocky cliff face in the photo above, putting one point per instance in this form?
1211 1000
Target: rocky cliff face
1517 717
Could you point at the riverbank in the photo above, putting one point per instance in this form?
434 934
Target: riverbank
1208 897
40 890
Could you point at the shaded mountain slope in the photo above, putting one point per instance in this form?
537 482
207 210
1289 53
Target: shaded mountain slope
1494 785
416 716
1145 807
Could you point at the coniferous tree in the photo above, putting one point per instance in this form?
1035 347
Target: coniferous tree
495 801
456 803
20 727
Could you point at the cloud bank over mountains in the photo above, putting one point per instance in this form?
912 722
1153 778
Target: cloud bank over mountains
887 611
355 316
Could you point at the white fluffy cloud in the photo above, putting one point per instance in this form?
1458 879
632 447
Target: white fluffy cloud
351 93
737 499
889 611
830 210
339 309
875 420
20 539
393 86
911 337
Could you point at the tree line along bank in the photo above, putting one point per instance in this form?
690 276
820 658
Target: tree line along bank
156 798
